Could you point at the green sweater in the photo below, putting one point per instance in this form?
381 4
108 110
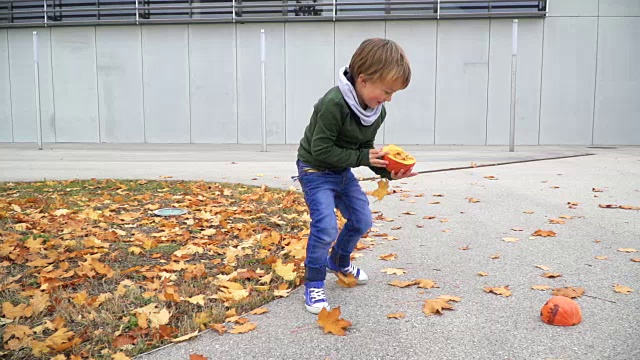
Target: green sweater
336 139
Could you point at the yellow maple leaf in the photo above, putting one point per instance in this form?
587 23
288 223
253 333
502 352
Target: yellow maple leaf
14 312
396 316
38 348
59 357
393 271
435 306
402 284
287 271
482 273
220 328
120 356
381 191
331 322
159 318
39 302
622 289
426 283
570 292
59 338
388 257
448 298
198 299
550 275
80 298
628 250
499 290
510 239
541 287
347 281
544 233
259 311
241 329
16 331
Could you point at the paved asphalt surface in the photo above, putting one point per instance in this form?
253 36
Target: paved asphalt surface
482 325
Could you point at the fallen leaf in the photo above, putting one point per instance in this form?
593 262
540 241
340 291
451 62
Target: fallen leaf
473 200
627 250
550 275
197 357
541 287
382 190
259 311
528 212
396 228
426 283
402 284
393 271
120 356
635 259
517 229
556 221
437 195
570 292
346 281
185 337
629 207
435 306
601 257
490 177
466 247
241 329
543 267
428 217
14 312
500 290
482 273
166 176
396 316
495 256
331 322
388 257
544 233
434 202
450 298
596 190
408 212
220 328
510 239
568 217
622 289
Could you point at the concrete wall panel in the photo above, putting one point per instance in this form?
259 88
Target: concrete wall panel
410 115
166 83
568 80
23 85
249 83
75 84
527 82
213 83
119 59
617 109
309 72
461 89
6 131
619 8
574 7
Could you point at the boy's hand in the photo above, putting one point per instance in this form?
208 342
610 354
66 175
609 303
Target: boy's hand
375 156
401 175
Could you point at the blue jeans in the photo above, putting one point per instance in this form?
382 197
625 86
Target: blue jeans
324 191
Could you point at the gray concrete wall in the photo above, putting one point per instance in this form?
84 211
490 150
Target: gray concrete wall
577 79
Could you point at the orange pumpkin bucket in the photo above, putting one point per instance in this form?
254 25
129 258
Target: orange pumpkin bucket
561 311
398 159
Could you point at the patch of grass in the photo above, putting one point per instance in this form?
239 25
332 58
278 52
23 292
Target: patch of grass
88 258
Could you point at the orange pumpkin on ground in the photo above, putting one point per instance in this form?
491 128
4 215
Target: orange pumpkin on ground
398 159
561 311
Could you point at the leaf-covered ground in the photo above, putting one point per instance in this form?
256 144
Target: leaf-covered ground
89 271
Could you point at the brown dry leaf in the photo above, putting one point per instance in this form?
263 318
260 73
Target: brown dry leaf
510 239
434 202
495 256
382 190
124 339
120 356
490 177
541 287
601 257
408 212
627 250
622 289
185 337
544 233
473 200
499 290
241 329
568 217
346 281
14 312
557 221
396 228
448 298
528 212
629 207
394 271
402 284
635 259
466 247
197 357
396 316
473 164
517 229
435 306
331 322
220 328
259 311
419 226
543 267
570 292
428 217
426 283
482 273
550 275
596 190
388 257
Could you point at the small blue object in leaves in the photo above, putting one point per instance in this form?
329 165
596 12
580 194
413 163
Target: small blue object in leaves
170 212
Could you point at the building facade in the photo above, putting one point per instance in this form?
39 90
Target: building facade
185 71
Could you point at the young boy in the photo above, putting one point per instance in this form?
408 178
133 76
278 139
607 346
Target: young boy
340 136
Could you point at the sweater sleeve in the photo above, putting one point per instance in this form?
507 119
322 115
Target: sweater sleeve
383 172
329 123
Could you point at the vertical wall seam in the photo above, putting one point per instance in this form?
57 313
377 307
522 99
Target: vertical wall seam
435 82
384 128
544 26
53 93
189 78
284 72
11 120
144 112
235 49
95 54
486 114
595 82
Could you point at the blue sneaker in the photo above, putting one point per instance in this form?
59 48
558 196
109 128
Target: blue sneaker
352 269
314 297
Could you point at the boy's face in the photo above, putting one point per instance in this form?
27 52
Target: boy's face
374 93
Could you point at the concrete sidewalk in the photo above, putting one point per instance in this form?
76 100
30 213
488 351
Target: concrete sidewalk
483 325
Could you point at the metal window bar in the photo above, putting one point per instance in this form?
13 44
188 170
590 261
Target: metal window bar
96 12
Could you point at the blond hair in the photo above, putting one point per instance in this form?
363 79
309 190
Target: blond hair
380 59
